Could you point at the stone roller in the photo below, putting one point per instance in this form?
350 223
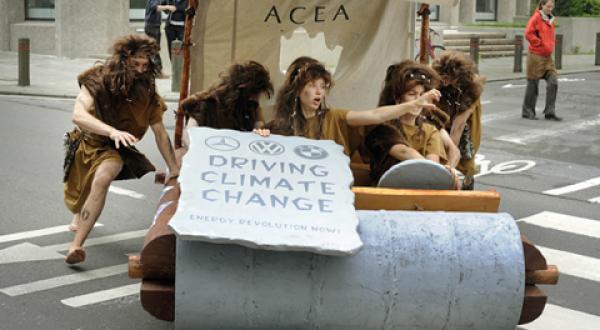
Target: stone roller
416 270
156 263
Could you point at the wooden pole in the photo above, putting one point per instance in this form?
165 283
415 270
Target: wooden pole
190 13
424 46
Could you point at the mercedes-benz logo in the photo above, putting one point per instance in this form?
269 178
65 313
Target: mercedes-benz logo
266 147
310 152
222 143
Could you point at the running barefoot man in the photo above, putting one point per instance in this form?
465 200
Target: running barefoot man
115 106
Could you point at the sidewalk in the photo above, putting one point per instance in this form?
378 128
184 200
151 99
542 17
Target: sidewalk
56 77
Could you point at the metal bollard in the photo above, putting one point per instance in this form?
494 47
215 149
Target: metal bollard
518 67
23 62
176 64
475 51
558 50
597 49
416 270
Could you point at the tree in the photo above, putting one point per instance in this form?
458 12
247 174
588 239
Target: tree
574 7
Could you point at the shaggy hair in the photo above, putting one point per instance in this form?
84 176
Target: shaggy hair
461 85
404 76
289 119
232 92
115 80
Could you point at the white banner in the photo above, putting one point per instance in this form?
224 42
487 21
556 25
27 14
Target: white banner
276 193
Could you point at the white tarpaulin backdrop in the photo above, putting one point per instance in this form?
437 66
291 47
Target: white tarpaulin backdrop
371 34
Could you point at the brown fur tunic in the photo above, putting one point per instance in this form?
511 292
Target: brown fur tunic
131 115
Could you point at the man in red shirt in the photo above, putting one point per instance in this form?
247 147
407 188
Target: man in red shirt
540 34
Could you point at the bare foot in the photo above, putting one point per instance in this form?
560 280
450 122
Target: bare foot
75 256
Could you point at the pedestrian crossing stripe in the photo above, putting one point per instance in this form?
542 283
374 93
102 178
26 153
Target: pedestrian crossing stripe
556 317
564 223
574 187
102 296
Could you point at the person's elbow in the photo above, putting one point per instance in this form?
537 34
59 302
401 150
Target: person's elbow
77 118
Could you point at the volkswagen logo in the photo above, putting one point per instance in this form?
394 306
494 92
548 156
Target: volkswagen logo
310 152
222 143
266 147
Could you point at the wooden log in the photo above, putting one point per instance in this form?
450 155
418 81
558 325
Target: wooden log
135 267
533 304
542 276
534 260
157 257
368 198
158 299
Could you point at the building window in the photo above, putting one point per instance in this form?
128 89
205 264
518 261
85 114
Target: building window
39 10
137 9
486 10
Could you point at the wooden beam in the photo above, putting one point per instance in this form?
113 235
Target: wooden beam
542 276
368 198
158 299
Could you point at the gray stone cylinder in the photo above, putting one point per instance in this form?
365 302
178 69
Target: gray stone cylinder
416 270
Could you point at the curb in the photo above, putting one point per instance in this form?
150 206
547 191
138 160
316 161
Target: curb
62 96
565 73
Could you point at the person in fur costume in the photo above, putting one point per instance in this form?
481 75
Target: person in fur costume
411 136
461 89
233 102
115 107
301 109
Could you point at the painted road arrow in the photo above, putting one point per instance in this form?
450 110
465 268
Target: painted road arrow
24 252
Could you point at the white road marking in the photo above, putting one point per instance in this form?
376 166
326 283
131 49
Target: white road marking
513 86
532 135
594 200
574 187
556 317
55 282
31 252
125 192
102 240
571 79
499 116
37 233
565 223
572 264
101 296
486 102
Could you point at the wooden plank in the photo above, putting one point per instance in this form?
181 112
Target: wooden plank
368 198
533 304
542 276
158 299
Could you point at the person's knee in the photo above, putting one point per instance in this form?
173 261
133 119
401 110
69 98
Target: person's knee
552 80
105 176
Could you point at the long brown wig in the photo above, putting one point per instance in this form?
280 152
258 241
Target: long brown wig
116 81
461 85
231 94
399 79
289 119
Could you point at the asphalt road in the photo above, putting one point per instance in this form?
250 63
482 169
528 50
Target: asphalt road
543 170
